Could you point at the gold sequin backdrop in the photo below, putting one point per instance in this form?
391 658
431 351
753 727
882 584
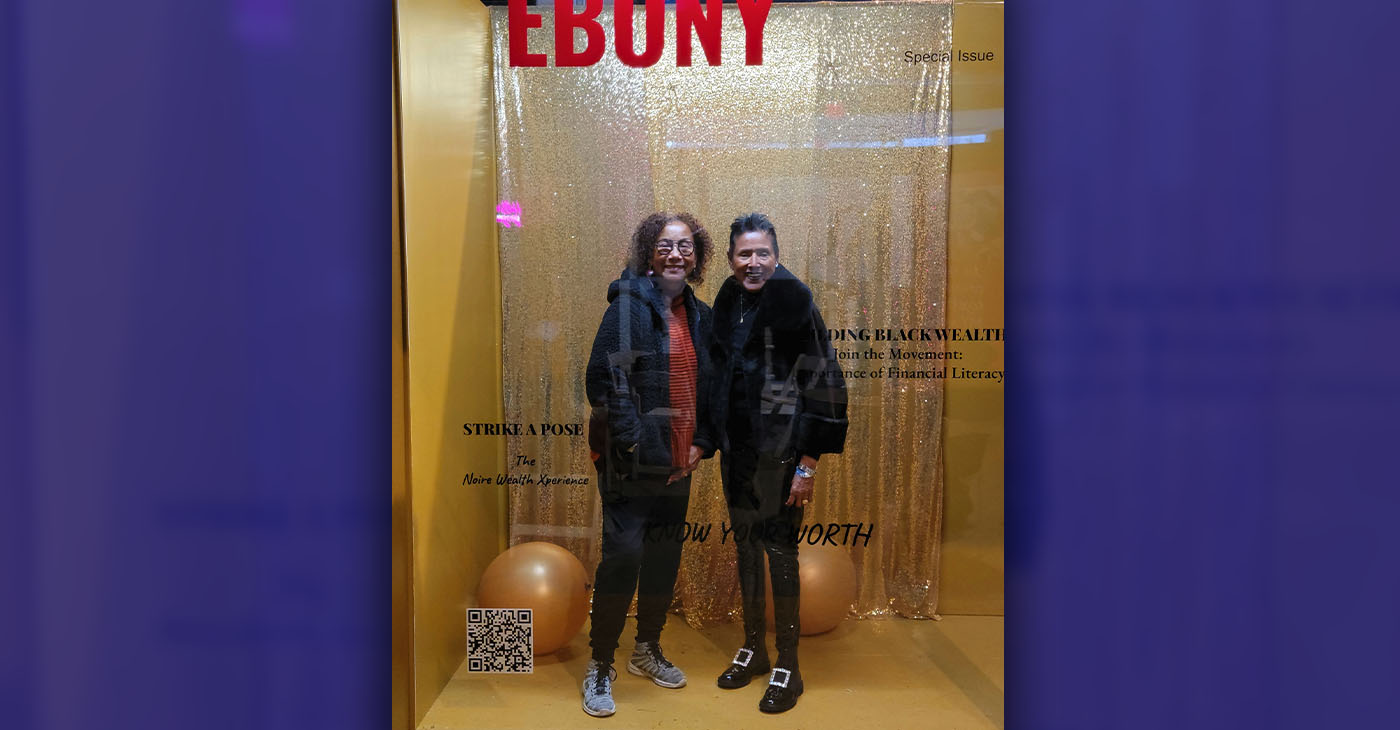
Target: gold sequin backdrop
843 143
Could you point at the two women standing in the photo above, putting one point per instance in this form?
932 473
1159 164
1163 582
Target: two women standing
671 381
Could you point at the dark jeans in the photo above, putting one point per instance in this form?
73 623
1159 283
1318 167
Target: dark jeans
638 556
755 488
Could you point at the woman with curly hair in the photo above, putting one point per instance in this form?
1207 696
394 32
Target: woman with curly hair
647 382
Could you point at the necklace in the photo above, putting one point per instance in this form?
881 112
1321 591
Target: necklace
745 312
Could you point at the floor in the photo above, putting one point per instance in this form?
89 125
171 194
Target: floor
891 674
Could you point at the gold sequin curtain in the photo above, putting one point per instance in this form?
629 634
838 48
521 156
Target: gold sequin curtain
842 141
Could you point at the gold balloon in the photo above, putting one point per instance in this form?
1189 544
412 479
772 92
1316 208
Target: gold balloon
548 580
827 580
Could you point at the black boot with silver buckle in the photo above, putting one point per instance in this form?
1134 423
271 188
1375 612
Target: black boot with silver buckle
784 687
747 665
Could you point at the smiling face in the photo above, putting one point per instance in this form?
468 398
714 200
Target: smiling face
673 255
753 259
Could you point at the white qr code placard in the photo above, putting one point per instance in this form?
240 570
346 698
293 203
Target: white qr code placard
500 640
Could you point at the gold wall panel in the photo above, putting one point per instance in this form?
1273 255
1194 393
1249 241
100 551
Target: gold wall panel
401 530
974 448
453 320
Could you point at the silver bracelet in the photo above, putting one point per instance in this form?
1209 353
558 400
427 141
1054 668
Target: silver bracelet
805 471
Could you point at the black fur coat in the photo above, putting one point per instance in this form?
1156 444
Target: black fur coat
792 385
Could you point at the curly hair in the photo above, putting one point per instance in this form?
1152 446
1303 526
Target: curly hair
644 243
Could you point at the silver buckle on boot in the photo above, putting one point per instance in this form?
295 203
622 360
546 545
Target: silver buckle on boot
747 654
773 680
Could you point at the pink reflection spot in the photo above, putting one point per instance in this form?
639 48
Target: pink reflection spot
508 213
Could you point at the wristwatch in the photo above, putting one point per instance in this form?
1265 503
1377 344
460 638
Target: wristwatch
806 472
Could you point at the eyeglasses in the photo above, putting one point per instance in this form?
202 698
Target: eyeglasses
684 246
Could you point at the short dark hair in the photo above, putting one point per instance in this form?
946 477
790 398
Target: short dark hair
752 223
644 242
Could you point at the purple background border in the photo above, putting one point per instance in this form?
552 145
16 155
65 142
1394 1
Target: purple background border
1203 291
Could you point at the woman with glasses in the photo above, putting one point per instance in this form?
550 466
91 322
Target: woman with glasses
647 383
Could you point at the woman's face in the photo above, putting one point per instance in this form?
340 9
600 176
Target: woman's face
754 259
673 254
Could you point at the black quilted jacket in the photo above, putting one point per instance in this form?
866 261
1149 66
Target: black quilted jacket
628 383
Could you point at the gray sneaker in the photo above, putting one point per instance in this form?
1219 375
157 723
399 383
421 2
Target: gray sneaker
647 661
597 689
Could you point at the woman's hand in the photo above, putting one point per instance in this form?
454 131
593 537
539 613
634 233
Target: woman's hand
692 461
801 493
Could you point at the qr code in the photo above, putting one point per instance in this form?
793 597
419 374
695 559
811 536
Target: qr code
500 640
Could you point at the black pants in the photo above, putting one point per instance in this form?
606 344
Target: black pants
755 487
641 553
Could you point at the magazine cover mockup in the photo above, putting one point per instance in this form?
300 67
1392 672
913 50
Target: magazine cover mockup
698 364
